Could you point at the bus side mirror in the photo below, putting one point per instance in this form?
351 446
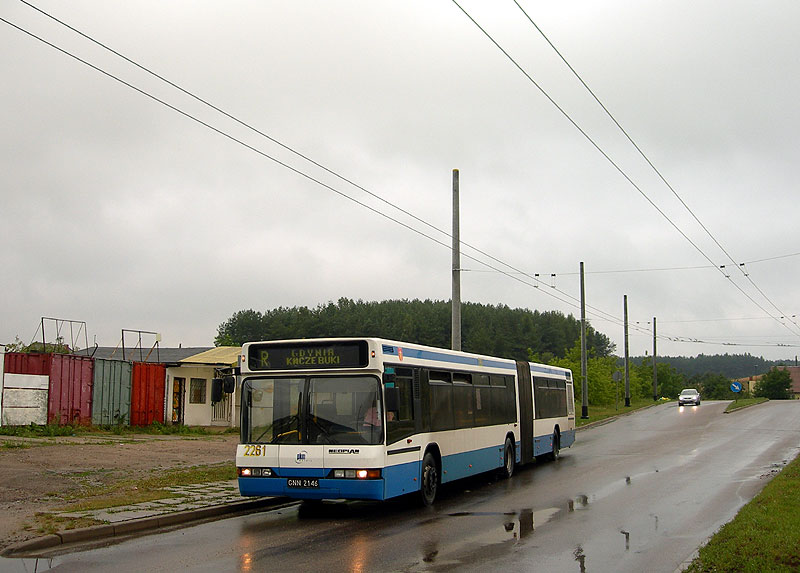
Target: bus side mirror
226 384
216 390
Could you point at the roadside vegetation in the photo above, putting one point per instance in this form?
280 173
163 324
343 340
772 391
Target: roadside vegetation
149 488
127 492
765 534
598 413
744 403
156 428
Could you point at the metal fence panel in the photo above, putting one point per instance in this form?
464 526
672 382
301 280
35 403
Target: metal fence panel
111 393
70 400
20 363
147 393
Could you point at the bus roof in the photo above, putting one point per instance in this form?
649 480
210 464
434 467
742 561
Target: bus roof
396 352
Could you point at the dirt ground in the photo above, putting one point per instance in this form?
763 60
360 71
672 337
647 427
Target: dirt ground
39 478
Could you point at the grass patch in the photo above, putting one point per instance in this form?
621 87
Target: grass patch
150 488
46 523
743 403
159 429
764 534
597 413
9 445
35 431
156 428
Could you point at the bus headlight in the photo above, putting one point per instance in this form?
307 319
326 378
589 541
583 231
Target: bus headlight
255 472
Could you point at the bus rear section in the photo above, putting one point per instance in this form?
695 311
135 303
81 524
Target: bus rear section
312 437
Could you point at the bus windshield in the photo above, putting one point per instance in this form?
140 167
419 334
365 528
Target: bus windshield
312 410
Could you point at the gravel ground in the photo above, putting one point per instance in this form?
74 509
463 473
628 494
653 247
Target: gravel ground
39 477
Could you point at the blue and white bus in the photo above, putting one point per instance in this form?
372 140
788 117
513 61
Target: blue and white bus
366 418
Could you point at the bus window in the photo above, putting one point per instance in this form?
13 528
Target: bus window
462 377
441 400
274 413
400 422
463 409
319 410
483 406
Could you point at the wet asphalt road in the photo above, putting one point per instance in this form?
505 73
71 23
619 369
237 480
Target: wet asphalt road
640 493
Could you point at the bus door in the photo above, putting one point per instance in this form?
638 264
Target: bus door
525 411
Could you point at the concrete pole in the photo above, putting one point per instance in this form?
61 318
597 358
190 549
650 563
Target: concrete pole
456 296
584 368
627 356
655 370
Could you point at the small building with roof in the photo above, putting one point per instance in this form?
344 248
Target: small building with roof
188 389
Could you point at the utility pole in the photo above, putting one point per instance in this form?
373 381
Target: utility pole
655 371
455 336
627 365
584 374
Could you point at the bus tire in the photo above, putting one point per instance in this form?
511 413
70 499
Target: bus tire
509 460
554 455
430 479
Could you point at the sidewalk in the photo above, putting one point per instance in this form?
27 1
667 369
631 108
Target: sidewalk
190 503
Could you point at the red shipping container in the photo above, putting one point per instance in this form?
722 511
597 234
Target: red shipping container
19 363
70 398
147 393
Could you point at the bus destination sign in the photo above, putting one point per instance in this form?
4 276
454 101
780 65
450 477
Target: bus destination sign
303 356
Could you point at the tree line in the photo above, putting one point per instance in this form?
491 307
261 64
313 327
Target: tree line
730 365
486 329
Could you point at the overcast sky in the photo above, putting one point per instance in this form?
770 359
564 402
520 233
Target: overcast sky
123 213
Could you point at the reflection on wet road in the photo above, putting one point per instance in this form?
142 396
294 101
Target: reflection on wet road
640 493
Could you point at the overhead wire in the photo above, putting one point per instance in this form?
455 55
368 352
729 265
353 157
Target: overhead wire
771 259
277 161
650 163
267 136
616 165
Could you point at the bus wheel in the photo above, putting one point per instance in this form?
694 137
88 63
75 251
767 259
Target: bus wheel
509 460
430 479
556 447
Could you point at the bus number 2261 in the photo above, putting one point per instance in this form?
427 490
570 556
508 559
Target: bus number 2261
252 450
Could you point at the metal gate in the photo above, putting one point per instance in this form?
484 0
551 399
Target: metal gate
221 411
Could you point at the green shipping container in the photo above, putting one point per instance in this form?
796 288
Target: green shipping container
111 396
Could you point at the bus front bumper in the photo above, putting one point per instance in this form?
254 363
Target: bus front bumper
322 488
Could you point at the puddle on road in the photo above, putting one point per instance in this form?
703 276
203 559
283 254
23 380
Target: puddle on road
506 528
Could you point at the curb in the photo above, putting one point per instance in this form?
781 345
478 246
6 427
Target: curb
134 526
615 416
745 407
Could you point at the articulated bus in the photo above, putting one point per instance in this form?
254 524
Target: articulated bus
372 419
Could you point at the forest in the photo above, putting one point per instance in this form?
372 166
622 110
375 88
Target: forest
730 365
486 329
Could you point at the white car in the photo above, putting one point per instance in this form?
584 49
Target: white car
689 396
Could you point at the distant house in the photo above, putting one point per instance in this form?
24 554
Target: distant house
189 389
794 372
